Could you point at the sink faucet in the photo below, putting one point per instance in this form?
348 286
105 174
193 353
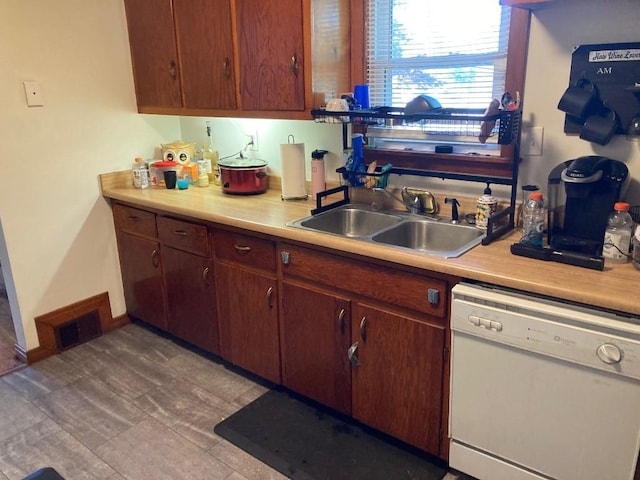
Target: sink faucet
412 201
454 208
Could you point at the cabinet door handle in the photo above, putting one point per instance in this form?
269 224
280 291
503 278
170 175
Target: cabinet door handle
242 250
363 329
205 276
270 297
294 65
155 258
172 69
180 233
226 67
341 319
351 354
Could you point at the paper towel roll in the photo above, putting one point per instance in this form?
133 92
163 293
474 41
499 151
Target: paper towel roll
293 171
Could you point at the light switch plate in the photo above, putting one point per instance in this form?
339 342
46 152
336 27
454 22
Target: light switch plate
33 92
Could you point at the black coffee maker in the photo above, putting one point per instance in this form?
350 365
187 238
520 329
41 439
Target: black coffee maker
581 194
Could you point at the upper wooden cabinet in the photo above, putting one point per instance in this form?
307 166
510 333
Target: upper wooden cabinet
271 54
243 58
154 53
203 30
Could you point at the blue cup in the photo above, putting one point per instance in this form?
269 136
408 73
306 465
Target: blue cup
361 95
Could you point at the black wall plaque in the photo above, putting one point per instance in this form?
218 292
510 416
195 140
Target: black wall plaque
614 68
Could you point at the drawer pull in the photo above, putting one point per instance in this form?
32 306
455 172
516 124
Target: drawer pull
180 233
284 256
242 250
363 329
341 316
205 276
155 258
351 354
133 218
433 295
270 297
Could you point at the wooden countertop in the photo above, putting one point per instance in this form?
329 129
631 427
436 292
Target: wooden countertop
614 288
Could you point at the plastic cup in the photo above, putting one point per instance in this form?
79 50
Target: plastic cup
170 178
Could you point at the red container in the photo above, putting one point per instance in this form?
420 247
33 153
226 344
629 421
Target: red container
243 176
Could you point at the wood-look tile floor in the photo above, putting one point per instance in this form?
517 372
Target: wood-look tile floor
130 404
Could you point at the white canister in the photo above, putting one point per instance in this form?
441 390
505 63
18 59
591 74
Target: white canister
486 206
140 174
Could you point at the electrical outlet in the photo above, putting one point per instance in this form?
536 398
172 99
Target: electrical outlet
253 138
531 142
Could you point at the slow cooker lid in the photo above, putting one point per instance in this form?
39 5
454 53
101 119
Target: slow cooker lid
242 163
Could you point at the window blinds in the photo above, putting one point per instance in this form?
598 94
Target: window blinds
452 50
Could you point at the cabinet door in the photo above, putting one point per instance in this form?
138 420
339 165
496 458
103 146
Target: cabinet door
154 53
206 53
316 335
248 316
190 293
142 278
397 387
271 54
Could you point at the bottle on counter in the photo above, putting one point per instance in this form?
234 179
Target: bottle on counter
318 182
486 206
140 173
617 236
211 154
533 220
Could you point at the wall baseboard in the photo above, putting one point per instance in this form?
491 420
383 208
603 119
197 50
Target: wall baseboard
71 325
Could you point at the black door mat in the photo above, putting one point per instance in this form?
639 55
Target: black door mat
305 441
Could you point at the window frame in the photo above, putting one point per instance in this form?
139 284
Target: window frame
514 82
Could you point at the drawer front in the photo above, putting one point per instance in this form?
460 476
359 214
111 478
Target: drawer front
186 236
133 220
385 284
245 249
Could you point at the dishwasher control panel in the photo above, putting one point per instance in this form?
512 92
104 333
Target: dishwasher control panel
547 328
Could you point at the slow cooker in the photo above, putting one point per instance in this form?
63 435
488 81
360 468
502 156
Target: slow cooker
243 176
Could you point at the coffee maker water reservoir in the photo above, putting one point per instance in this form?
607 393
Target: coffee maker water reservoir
581 194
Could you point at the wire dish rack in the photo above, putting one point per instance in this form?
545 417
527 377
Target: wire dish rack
467 123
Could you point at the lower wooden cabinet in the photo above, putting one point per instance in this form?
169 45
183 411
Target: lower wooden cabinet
191 298
389 370
142 278
397 371
316 334
247 295
366 339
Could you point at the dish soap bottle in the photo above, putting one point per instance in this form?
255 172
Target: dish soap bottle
617 236
486 206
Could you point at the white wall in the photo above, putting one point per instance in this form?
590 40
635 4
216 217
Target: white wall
555 30
60 246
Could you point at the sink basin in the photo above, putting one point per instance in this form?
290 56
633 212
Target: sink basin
350 221
444 239
394 229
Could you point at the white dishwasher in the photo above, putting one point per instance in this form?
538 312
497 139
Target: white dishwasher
542 389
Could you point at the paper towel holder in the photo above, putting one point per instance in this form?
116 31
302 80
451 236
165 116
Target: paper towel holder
294 180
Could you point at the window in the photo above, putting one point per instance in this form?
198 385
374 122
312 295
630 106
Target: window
452 50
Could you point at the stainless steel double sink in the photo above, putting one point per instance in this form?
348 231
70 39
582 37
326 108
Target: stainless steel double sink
394 229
